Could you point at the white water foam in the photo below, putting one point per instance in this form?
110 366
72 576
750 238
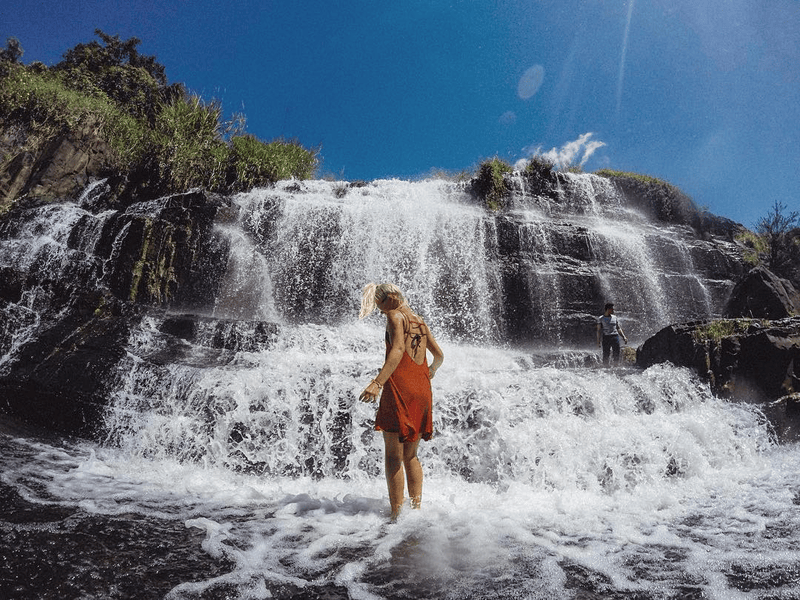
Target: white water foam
643 481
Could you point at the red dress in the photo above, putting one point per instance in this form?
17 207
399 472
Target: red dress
406 401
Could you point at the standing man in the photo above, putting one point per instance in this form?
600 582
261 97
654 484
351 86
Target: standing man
608 332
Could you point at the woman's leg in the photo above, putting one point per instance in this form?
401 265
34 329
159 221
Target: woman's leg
413 473
399 455
393 461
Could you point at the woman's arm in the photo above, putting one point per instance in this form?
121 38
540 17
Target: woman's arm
436 350
393 358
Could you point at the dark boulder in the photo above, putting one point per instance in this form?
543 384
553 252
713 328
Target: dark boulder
748 360
54 168
763 295
67 308
58 378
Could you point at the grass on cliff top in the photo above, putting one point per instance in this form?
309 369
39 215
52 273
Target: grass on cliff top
490 182
716 330
187 145
646 179
40 100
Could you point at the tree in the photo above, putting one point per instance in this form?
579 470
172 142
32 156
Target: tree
12 52
10 55
781 234
136 82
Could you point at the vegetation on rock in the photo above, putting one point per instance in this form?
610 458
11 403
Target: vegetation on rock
722 328
160 132
490 184
775 243
780 236
666 202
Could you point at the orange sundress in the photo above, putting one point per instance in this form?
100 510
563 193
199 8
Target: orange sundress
406 401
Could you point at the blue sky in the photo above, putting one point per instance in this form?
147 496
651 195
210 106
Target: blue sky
704 94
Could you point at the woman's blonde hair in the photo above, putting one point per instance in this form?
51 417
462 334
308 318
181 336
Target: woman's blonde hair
369 292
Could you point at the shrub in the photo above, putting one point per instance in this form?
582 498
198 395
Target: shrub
135 82
539 166
754 247
490 184
253 162
41 102
780 238
716 330
171 139
187 145
541 176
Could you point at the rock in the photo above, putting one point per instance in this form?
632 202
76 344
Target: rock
165 253
787 409
57 379
744 359
763 295
67 306
59 167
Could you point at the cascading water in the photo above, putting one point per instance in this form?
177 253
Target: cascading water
545 478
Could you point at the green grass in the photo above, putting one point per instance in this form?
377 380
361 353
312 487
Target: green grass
252 161
187 145
716 330
491 184
48 108
754 246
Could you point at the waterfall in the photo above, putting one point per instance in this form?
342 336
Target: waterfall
541 268
284 404
288 407
548 476
322 246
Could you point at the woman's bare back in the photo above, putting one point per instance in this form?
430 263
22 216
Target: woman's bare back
416 337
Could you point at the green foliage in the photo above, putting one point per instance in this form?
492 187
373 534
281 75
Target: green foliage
40 101
174 140
186 144
780 237
490 183
135 82
754 245
775 244
539 166
12 52
716 330
540 175
252 162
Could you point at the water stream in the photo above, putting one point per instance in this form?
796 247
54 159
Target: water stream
248 469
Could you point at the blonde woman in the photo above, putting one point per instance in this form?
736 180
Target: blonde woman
404 388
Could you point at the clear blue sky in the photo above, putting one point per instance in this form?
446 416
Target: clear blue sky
704 94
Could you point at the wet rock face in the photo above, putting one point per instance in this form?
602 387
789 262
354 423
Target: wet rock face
58 379
761 294
165 254
748 359
75 282
51 169
744 359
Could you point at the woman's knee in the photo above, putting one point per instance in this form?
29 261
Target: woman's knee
409 453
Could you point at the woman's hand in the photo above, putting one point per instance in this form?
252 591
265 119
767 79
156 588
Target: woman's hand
371 392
